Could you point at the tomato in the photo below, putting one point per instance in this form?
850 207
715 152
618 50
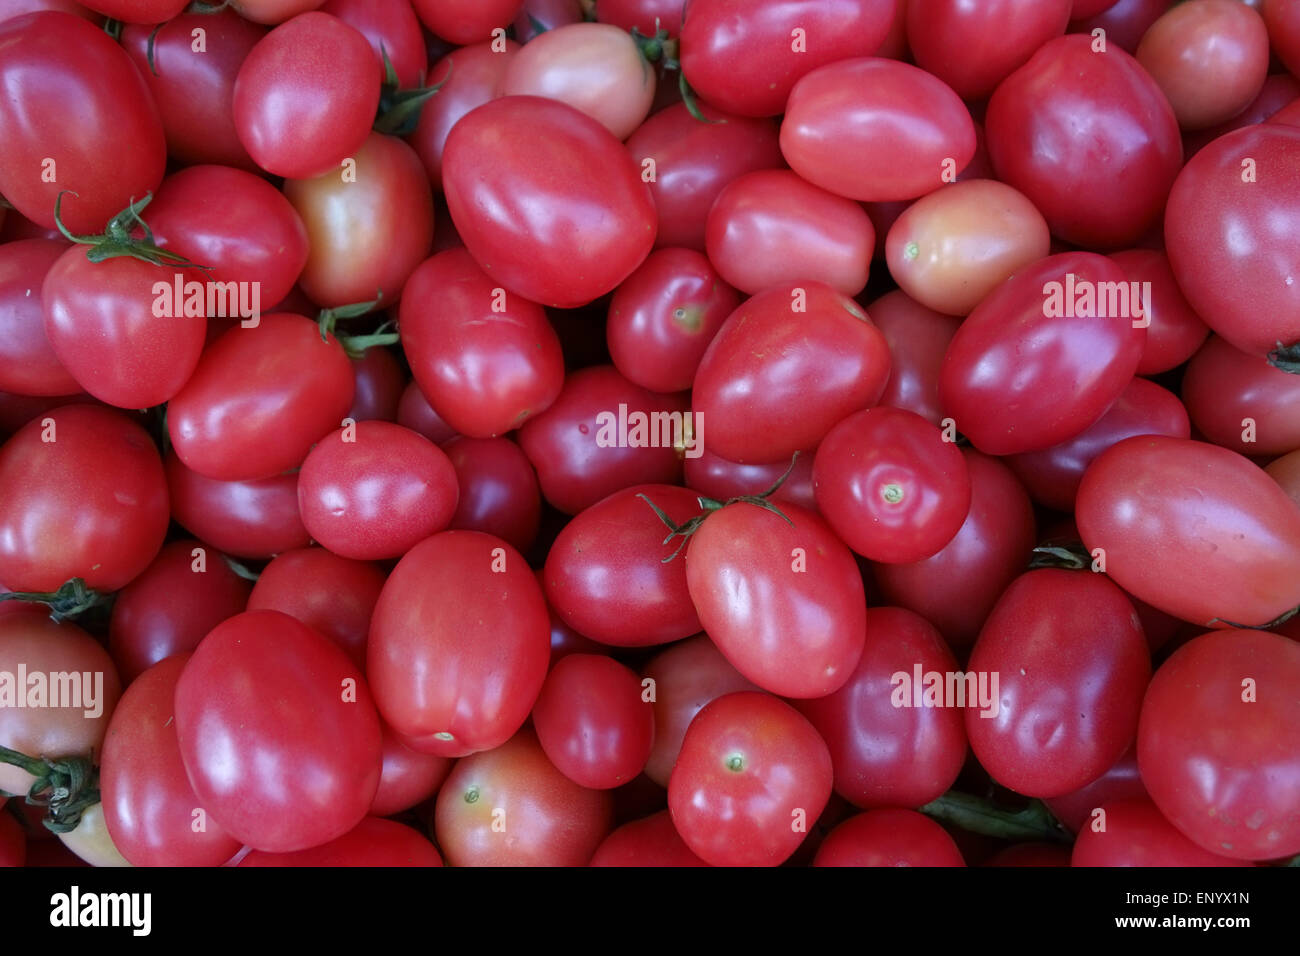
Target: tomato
577 445
1125 22
1174 330
751 776
771 227
273 11
1121 782
372 842
1219 743
137 11
172 605
1227 232
1240 401
91 841
380 381
373 490
956 588
193 88
538 16
693 161
594 67
108 153
515 176
1052 475
1136 834
973 48
260 398
1044 355
1192 529
368 226
1209 57
408 778
332 595
1283 22
887 755
717 478
782 599
466 21
487 359
650 841
745 56
1072 125
784 368
950 249
306 95
456 677
1286 472
917 338
392 29
415 413
278 732
248 519
510 806
72 718
876 130
498 489
890 485
890 837
151 810
28 364
84 498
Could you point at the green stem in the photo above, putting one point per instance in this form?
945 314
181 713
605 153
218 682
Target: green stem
1286 358
66 786
71 600
118 238
1033 822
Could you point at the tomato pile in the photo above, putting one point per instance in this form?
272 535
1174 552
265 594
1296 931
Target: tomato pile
650 432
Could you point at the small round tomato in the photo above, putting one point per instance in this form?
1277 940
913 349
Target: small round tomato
1121 782
1241 401
498 489
717 478
917 338
372 842
889 837
408 778
1174 330
650 841
28 364
393 30
380 381
466 21
1134 833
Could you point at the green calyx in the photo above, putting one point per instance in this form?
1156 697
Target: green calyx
67 787
399 109
119 238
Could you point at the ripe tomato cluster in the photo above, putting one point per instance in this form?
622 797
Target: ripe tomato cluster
650 432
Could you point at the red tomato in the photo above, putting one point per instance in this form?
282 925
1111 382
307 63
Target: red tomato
408 778
516 175
1286 472
372 842
392 29
498 489
917 338
876 130
1226 537
1072 125
783 600
278 732
1240 401
1219 743
466 21
889 838
1174 330
273 11
651 841
415 412
784 368
752 775
1121 782
380 381
1125 22
456 677
1283 22
109 153
84 496
1135 834
306 95
511 807
721 480
28 365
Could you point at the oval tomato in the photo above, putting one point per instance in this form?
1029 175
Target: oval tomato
28 364
889 837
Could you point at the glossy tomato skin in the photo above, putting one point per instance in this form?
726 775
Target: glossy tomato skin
193 90
955 589
716 477
1072 664
260 398
306 95
487 359
1031 368
373 490
876 130
917 338
745 57
30 639
889 837
606 575
1241 401
1283 22
332 595
751 768
1286 472
1219 743
1071 125
247 519
1125 21
380 380
466 21
594 722
1052 475
974 48
819 360
113 153
510 806
372 842
85 497
890 485
498 489
1136 834
408 778
1226 529
1174 330
415 412
453 678
564 443
172 605
515 173
392 29
1121 782
28 363
650 841
149 805
272 717
367 232
783 601
693 161
886 755
1229 239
